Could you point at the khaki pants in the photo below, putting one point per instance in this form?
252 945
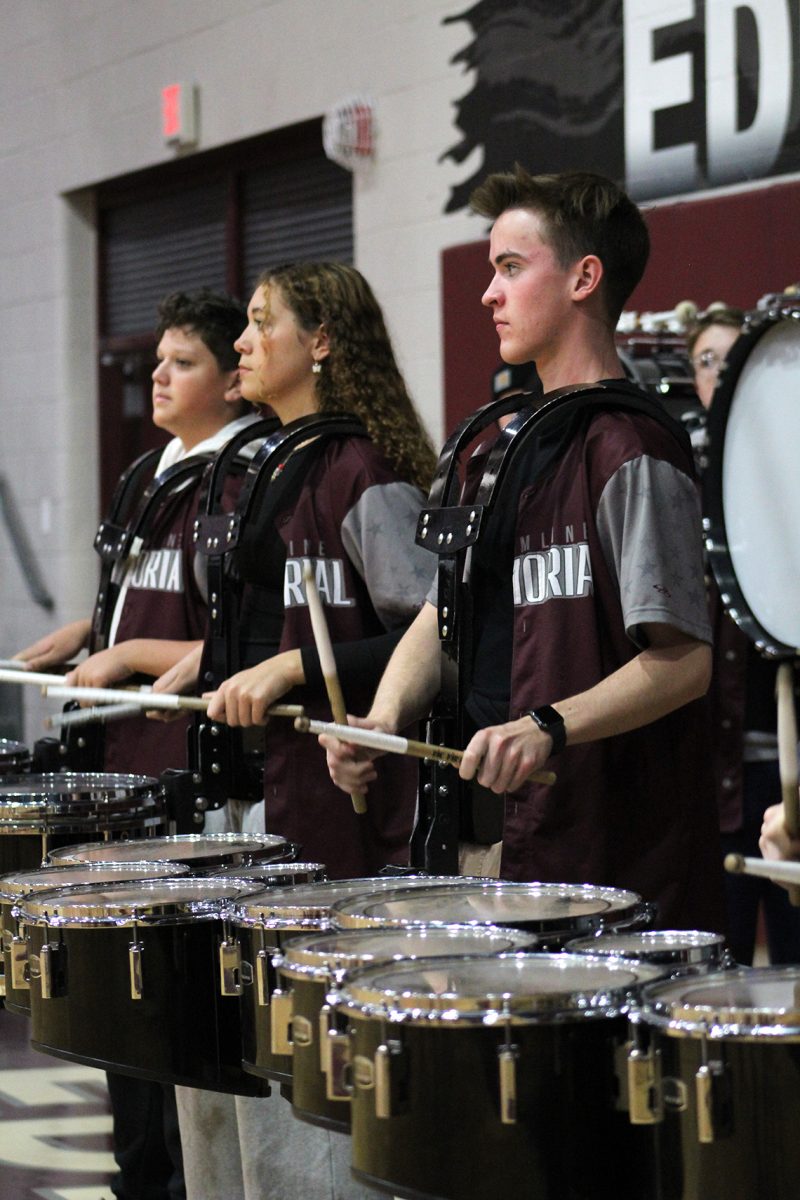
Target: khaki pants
474 859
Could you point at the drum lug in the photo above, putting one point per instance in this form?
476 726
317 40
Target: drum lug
51 968
386 1077
325 1032
302 1031
262 979
338 1084
281 1009
230 968
507 1056
645 1100
18 951
713 1102
135 950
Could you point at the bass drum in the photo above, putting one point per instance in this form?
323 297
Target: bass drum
715 1067
752 483
479 1078
39 813
14 888
127 977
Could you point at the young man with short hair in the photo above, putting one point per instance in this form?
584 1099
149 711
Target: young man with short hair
591 635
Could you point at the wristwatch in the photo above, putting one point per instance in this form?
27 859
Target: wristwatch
552 722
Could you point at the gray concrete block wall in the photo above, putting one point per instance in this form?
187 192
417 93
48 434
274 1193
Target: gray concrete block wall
80 88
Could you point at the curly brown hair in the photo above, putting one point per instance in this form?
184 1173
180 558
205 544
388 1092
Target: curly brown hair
360 374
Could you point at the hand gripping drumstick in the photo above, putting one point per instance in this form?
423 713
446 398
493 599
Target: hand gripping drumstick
787 757
391 743
327 662
54 687
778 872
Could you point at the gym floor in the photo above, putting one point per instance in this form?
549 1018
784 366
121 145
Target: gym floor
55 1123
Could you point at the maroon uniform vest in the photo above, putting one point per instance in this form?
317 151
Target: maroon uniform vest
636 810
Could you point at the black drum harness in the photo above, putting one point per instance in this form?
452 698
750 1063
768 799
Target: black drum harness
451 529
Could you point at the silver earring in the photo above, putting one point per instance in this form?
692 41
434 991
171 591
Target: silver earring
316 368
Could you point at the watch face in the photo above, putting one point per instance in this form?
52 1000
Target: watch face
546 716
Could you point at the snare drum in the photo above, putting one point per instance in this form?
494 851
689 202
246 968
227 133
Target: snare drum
201 852
678 949
478 1078
15 758
310 966
555 912
716 1067
263 926
16 887
126 977
41 812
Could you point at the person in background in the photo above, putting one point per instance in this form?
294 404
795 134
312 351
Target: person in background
743 715
160 613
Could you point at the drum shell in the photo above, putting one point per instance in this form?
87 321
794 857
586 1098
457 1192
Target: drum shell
17 1000
446 1139
309 983
182 1031
755 1151
258 1057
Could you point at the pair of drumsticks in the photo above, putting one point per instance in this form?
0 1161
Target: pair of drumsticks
119 702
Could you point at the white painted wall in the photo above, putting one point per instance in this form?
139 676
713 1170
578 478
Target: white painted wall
80 88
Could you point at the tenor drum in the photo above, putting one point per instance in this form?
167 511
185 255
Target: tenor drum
200 852
555 912
127 977
16 887
309 967
715 1066
274 874
478 1078
39 813
15 758
263 925
676 949
752 486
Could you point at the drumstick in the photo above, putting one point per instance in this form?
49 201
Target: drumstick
144 699
391 743
787 756
327 662
85 716
19 675
778 872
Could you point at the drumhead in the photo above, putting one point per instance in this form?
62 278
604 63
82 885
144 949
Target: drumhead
546 908
741 1005
274 874
344 949
655 945
144 901
192 848
48 879
519 989
752 484
294 907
